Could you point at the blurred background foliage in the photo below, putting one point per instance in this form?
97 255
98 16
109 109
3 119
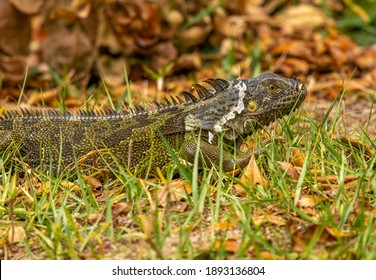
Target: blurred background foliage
47 45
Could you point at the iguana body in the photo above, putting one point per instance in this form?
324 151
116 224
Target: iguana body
132 139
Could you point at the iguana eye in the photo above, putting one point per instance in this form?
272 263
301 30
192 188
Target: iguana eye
273 87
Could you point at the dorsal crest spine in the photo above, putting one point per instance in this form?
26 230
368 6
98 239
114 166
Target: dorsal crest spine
168 103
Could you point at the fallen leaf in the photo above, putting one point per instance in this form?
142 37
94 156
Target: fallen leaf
230 245
297 157
43 96
121 208
97 215
230 26
294 66
112 69
12 68
294 17
195 35
290 169
337 232
334 179
307 200
297 48
354 142
15 28
26 6
70 46
70 186
16 234
267 255
94 183
240 190
181 207
175 191
258 220
225 225
188 62
252 175
45 187
350 185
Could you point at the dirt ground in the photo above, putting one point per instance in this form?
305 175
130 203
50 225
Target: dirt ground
356 111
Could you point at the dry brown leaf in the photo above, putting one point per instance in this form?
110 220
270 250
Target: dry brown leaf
339 57
189 228
15 30
230 26
195 35
174 18
290 169
224 226
95 216
307 200
264 218
70 46
70 186
121 208
297 48
240 190
44 187
43 96
230 245
12 68
337 232
267 255
252 174
250 177
294 66
334 187
355 142
182 207
342 49
175 191
136 23
351 184
188 62
112 69
74 102
26 6
334 179
294 17
94 183
16 234
245 146
367 59
297 157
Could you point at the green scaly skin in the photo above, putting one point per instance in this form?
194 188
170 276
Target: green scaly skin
231 109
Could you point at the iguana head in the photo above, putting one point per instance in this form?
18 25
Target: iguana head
241 106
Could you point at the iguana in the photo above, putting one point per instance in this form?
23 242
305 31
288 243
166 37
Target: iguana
132 138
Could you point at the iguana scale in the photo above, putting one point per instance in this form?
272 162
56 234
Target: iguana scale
132 139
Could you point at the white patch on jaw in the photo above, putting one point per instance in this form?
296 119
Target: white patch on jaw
210 137
238 108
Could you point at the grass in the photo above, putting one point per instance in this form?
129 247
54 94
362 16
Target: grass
319 204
